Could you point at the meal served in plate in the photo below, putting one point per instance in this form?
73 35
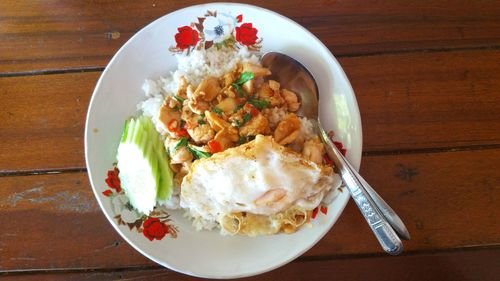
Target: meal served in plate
221 140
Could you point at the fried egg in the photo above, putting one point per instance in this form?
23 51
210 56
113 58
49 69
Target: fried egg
260 177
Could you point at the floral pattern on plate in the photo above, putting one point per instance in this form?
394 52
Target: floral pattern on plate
155 226
216 30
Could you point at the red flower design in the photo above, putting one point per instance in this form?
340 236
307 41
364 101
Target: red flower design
340 146
323 209
239 18
107 192
314 213
186 37
246 34
154 229
113 181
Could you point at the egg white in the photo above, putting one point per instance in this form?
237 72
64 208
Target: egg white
234 180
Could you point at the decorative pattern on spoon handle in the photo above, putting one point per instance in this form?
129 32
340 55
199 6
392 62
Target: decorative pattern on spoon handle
385 234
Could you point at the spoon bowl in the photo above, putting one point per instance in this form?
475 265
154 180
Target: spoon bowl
295 77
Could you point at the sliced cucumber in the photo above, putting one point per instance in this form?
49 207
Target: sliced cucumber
165 184
143 163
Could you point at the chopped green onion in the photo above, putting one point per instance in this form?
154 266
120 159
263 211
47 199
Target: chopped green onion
247 117
238 107
242 140
179 99
239 90
237 123
244 77
245 139
198 153
182 142
217 110
260 104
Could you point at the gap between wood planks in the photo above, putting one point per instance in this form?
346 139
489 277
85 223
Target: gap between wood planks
361 54
6 173
298 260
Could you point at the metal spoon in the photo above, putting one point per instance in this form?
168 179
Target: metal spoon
384 222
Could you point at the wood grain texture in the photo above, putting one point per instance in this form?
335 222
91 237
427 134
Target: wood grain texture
43 120
468 265
448 200
58 34
413 101
426 76
408 101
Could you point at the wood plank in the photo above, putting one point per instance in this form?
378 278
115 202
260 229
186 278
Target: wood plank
414 101
59 34
467 265
409 101
43 120
448 200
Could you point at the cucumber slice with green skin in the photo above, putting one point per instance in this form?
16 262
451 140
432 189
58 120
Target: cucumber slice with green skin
143 163
165 186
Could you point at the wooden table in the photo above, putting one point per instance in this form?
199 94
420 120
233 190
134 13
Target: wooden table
427 78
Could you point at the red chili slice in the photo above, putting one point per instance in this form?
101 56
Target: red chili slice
327 160
254 111
182 133
340 146
214 146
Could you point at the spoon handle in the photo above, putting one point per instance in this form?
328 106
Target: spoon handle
389 214
382 229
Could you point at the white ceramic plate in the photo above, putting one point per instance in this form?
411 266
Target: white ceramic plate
146 55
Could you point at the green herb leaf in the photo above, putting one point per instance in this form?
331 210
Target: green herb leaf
237 123
179 99
182 142
238 107
198 153
217 110
239 90
242 140
244 77
176 108
260 104
245 139
201 121
247 117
